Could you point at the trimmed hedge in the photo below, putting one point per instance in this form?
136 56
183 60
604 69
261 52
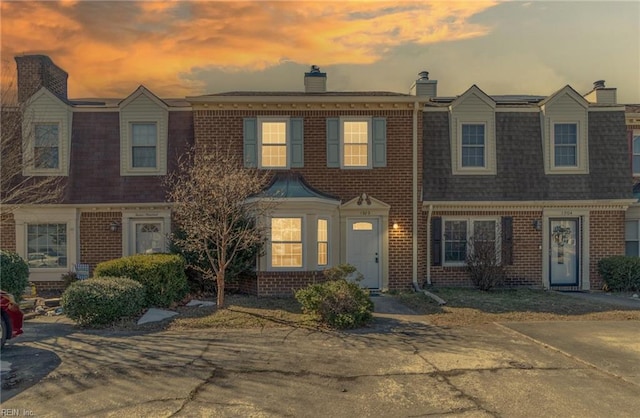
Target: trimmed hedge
103 300
620 273
14 274
162 275
338 303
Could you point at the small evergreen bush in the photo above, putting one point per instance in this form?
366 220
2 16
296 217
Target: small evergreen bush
103 300
162 275
338 303
620 273
14 274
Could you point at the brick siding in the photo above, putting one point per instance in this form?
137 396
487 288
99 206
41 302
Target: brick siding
97 242
7 232
607 239
223 128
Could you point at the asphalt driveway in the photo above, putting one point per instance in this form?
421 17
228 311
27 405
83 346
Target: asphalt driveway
400 366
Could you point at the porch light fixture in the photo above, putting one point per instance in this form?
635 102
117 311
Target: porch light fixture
395 226
537 224
113 226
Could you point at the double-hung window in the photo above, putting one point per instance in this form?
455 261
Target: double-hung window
632 238
286 242
323 242
273 143
356 143
565 144
473 145
144 145
460 236
47 245
46 150
636 153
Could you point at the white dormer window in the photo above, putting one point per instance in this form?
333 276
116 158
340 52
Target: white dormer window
46 131
473 134
144 126
565 137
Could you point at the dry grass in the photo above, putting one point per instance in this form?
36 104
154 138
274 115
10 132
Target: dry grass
244 312
465 307
471 307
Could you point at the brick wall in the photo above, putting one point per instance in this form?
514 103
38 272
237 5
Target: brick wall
390 184
526 269
285 283
97 242
7 232
35 71
607 238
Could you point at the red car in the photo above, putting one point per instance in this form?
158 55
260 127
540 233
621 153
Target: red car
11 322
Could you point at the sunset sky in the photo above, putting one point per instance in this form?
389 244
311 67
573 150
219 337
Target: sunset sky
190 48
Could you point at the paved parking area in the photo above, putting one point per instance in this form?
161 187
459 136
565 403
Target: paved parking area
401 366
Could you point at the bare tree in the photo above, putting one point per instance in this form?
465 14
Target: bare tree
214 204
483 261
16 187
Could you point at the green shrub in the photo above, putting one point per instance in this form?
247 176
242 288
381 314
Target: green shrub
162 275
339 303
14 274
103 300
620 273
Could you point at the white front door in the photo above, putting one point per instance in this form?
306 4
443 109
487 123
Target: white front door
363 249
564 252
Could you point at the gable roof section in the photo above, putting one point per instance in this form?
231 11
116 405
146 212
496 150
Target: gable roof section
142 90
43 91
473 91
565 91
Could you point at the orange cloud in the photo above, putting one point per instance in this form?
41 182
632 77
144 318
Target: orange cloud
110 47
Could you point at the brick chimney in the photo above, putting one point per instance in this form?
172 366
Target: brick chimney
425 87
315 81
601 94
36 71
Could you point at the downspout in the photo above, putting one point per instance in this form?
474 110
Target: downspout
414 185
429 245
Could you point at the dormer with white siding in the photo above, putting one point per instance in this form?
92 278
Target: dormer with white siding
144 120
46 134
473 134
565 132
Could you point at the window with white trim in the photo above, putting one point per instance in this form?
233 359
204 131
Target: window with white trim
286 243
473 145
565 144
636 153
323 242
46 148
47 245
459 234
148 237
632 238
273 143
356 144
144 145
